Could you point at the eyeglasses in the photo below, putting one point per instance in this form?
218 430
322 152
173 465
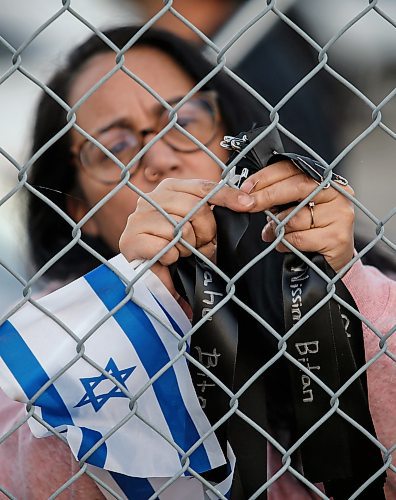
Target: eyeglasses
199 116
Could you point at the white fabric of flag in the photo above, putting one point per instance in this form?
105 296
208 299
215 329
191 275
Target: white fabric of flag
132 345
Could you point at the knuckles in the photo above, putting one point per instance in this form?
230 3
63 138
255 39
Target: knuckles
268 198
296 222
170 257
349 189
167 183
296 239
206 186
349 214
342 237
345 211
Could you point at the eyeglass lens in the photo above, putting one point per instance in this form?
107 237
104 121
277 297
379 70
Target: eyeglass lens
197 116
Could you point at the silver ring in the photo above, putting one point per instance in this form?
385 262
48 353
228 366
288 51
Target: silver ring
311 205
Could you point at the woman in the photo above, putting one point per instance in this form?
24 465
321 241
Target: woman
78 177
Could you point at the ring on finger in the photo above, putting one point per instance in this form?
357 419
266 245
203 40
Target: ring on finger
311 206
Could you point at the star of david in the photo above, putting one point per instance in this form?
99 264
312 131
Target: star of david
91 383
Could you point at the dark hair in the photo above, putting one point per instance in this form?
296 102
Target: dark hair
48 232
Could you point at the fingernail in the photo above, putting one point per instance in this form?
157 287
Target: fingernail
247 186
265 233
245 200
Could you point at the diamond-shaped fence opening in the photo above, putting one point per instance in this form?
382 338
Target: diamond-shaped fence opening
271 374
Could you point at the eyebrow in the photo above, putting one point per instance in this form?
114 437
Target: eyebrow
124 122
118 122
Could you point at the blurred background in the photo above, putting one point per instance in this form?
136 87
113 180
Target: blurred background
271 57
18 96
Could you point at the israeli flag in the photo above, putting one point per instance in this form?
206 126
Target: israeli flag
109 372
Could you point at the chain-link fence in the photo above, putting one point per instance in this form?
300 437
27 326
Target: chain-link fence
379 332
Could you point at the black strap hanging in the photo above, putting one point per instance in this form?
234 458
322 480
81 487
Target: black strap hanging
334 354
233 345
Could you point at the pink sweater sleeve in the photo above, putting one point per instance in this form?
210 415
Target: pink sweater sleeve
33 469
375 296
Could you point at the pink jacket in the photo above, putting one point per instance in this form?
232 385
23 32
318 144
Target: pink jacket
33 468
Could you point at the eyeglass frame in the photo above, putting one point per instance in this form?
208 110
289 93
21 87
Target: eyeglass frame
213 101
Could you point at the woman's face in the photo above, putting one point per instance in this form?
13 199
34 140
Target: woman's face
123 101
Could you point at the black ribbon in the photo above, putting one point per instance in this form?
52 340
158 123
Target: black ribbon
330 345
284 400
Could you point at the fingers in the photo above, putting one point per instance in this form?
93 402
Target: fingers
146 235
301 221
147 219
148 231
168 192
327 228
293 189
281 184
270 175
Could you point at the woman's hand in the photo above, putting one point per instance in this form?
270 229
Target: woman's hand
327 229
148 232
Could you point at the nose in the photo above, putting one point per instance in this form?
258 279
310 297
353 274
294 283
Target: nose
160 161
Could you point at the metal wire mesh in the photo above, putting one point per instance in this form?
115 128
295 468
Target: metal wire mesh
377 123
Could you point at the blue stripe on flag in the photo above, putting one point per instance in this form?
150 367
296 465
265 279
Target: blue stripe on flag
150 349
89 439
31 376
133 487
178 330
175 326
